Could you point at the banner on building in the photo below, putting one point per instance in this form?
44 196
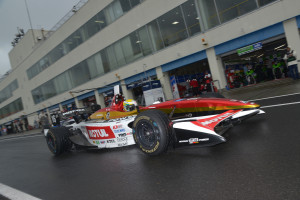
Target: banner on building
153 92
174 87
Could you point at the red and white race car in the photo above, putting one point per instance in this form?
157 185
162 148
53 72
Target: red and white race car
181 122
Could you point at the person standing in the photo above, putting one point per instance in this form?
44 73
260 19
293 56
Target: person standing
291 59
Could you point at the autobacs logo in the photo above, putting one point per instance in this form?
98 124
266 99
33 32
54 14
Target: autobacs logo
117 126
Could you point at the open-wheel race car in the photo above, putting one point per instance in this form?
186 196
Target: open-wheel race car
176 123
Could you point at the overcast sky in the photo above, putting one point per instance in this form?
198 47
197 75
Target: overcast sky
44 14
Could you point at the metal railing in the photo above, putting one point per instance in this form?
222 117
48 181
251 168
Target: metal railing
63 20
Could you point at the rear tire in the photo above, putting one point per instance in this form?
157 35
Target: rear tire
58 140
152 131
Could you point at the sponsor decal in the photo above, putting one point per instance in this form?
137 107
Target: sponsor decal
122 144
96 133
110 141
203 139
122 135
183 141
99 115
151 150
117 126
193 140
107 115
119 130
219 118
128 133
102 142
122 139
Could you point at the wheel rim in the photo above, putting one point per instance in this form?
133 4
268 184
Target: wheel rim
51 143
147 134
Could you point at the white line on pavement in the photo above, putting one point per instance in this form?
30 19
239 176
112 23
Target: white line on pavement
274 97
14 194
19 137
283 104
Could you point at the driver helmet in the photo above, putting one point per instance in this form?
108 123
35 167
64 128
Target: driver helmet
129 105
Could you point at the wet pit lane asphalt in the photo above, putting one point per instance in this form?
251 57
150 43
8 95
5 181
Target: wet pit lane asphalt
260 160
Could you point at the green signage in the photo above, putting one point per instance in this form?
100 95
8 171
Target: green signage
249 48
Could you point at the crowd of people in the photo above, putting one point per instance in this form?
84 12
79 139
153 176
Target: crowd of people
276 67
21 125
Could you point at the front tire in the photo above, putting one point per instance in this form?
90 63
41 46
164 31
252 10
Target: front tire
58 140
152 131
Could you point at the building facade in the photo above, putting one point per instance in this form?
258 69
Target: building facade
125 42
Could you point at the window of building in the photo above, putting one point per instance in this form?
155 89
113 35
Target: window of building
95 65
131 47
111 58
191 17
48 90
7 92
119 54
62 82
172 27
231 9
11 108
208 13
106 16
144 41
105 61
53 56
125 5
117 8
79 74
133 3
109 14
155 36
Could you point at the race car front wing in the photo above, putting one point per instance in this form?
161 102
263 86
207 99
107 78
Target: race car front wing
208 130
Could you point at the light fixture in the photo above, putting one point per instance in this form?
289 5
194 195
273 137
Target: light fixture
176 22
99 21
138 41
260 56
279 47
76 37
198 18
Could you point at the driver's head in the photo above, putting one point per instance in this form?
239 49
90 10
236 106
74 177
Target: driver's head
129 105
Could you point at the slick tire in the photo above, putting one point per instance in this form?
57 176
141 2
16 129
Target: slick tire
212 95
58 140
152 131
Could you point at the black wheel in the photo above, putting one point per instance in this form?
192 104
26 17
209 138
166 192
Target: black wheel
212 95
152 132
58 140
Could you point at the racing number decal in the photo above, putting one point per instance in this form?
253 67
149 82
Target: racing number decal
97 133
